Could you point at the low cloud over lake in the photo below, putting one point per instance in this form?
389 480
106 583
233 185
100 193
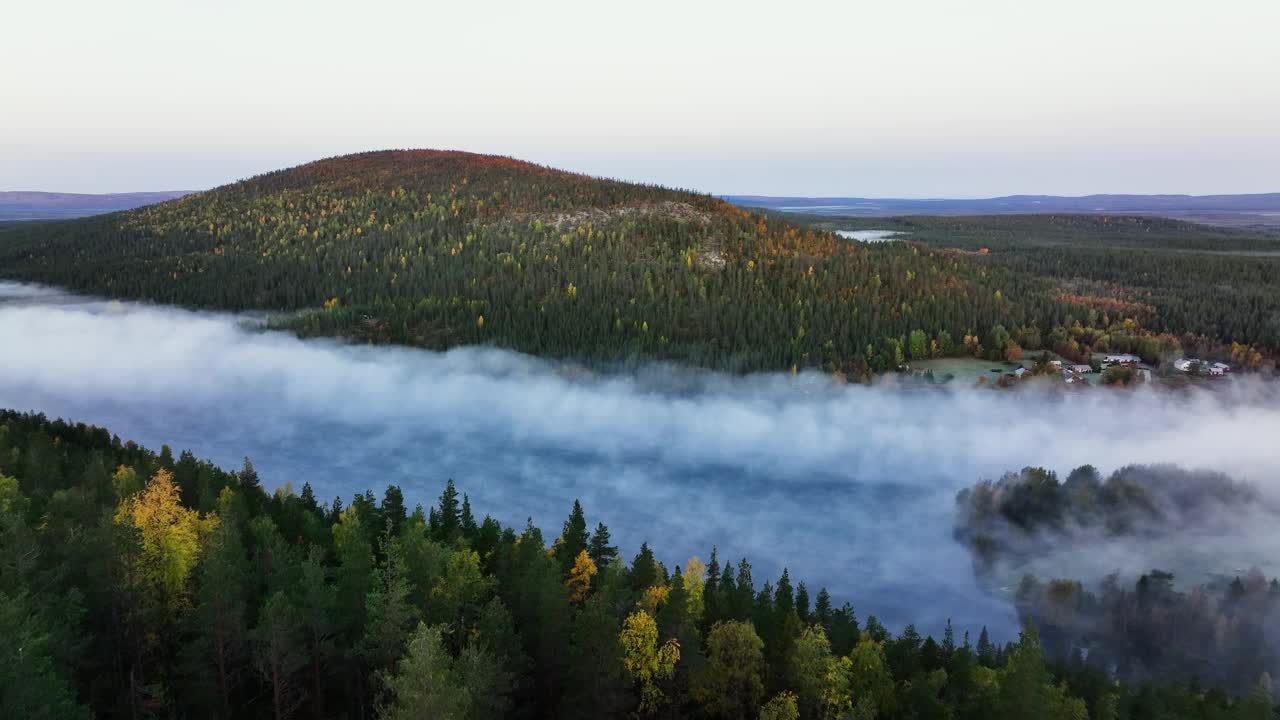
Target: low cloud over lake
853 487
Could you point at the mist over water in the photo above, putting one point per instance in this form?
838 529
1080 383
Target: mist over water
851 487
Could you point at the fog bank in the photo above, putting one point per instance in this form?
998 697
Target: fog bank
851 487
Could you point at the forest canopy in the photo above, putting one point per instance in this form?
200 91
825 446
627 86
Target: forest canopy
439 249
137 584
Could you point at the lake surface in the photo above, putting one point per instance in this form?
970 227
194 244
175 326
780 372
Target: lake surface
851 487
871 235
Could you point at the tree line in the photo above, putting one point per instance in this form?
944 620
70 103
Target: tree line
1205 285
136 584
1220 633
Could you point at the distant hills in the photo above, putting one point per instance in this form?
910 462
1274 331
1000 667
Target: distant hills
440 248
24 205
1257 209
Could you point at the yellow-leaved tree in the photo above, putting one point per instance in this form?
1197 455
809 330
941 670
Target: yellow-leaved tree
169 541
645 661
580 577
654 598
694 583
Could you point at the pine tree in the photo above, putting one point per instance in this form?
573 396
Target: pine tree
674 613
248 476
598 686
845 633
220 612
315 601
278 654
600 551
389 612
802 604
308 497
711 604
746 590
448 525
393 512
426 684
728 595
783 598
644 570
573 538
468 521
986 651
822 610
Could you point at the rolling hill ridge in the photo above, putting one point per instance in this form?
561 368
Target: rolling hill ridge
441 248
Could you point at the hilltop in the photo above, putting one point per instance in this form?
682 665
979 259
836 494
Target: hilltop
440 248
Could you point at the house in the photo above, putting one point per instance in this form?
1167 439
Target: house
1186 365
1081 369
1189 364
1122 359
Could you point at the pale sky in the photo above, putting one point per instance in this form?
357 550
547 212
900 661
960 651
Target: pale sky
892 99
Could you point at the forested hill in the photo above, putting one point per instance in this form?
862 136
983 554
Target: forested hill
437 249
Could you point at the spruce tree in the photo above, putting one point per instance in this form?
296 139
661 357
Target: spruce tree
711 604
468 521
673 614
784 598
600 551
728 595
248 476
448 519
393 512
802 603
986 652
308 497
822 610
644 570
745 598
573 538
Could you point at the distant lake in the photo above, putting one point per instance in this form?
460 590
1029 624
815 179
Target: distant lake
870 235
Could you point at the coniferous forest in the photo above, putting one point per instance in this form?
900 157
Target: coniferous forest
654 361
138 585
439 249
1175 277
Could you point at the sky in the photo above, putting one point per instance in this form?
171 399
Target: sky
913 98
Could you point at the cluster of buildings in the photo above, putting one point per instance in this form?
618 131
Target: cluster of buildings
1070 373
1075 372
1188 365
1123 359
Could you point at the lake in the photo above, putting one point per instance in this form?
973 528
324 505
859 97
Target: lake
871 235
851 487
